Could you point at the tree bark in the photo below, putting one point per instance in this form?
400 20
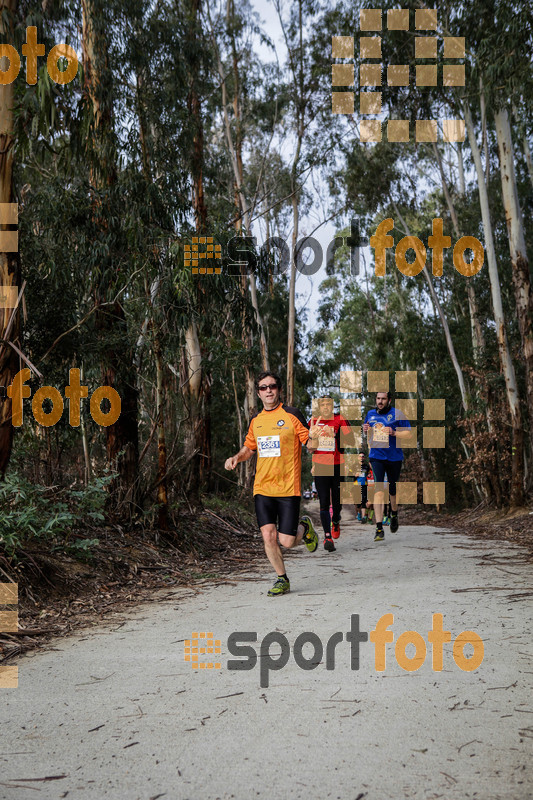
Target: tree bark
9 262
518 250
122 438
517 459
235 153
443 320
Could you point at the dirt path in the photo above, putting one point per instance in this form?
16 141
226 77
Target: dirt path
116 712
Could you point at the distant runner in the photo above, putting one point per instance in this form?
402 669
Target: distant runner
327 460
384 423
362 480
277 434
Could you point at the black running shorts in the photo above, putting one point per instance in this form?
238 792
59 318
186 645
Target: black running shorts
284 512
391 468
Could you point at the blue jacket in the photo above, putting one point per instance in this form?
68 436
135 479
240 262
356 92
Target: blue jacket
382 446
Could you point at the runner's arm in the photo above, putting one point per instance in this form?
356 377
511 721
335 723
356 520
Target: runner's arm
244 454
314 432
402 433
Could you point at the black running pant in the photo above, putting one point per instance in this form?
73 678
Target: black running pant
328 488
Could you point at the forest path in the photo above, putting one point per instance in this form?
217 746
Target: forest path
116 712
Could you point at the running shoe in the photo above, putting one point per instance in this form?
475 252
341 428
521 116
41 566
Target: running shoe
380 535
386 520
364 521
394 522
328 544
359 517
281 586
310 537
335 530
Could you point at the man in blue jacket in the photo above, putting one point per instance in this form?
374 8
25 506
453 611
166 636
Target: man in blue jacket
383 425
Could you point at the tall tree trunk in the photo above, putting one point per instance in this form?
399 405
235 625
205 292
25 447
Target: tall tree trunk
529 160
517 247
297 70
517 458
244 210
191 381
9 262
461 169
122 438
162 497
478 343
443 320
195 380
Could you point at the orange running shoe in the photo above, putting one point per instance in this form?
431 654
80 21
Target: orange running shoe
335 530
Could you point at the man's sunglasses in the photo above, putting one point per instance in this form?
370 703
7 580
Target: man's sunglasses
270 386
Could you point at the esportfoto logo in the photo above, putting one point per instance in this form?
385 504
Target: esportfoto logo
240 644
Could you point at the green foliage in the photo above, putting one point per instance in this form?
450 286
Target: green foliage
30 513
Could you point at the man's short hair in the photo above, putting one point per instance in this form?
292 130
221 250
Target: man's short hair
261 377
389 396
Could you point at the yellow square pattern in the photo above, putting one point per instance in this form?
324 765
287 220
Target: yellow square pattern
370 102
406 492
426 47
342 46
9 677
453 130
398 75
398 19
370 19
407 407
9 593
351 437
426 19
434 437
370 130
342 75
453 75
426 75
342 102
350 409
201 643
370 75
377 381
370 46
426 130
434 492
406 380
192 255
350 493
398 130
411 440
454 47
351 380
434 409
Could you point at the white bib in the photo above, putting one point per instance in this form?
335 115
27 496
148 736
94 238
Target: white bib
326 443
268 446
378 435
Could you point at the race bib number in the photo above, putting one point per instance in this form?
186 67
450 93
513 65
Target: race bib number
326 443
379 436
269 446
